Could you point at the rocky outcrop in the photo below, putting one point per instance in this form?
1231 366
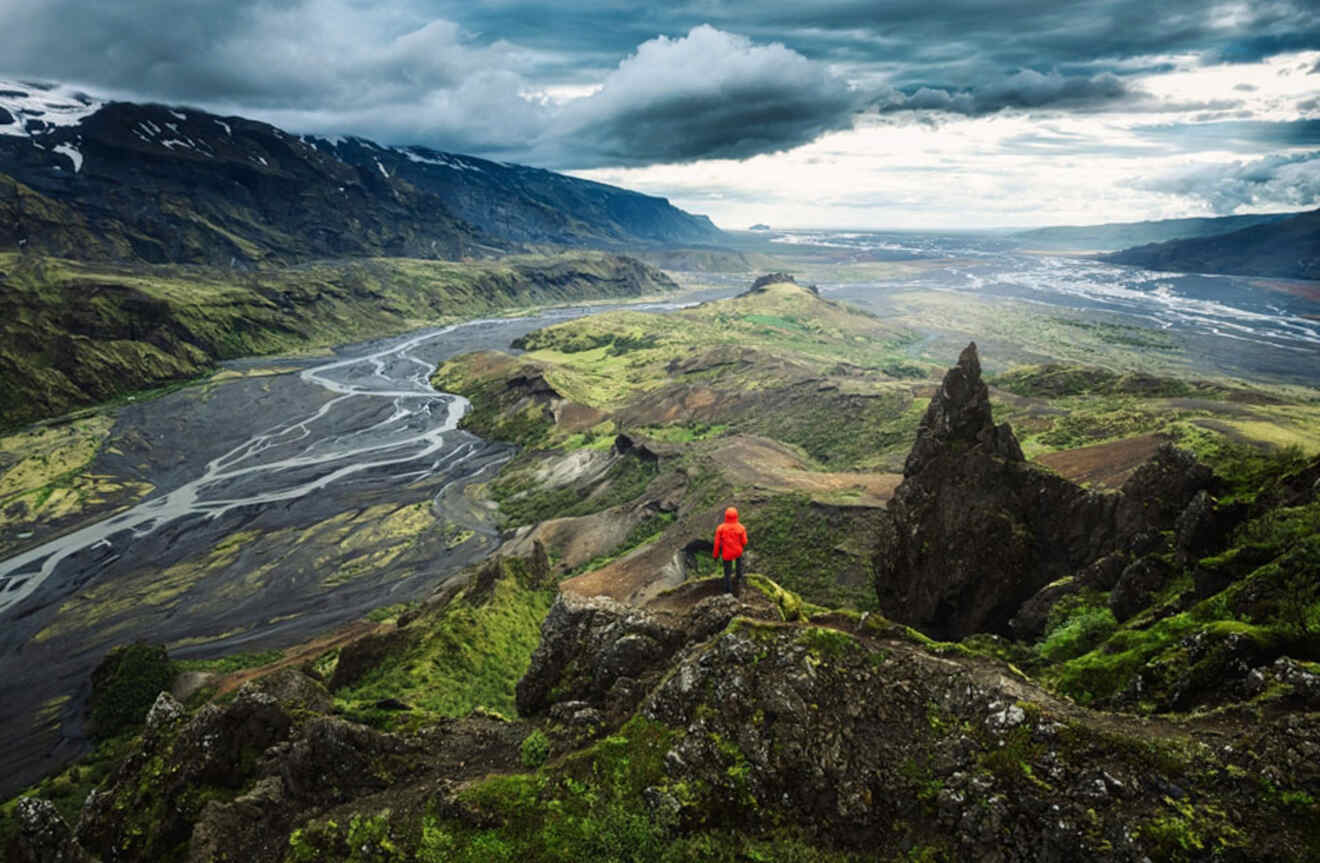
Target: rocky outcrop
44 837
607 655
974 531
958 420
844 731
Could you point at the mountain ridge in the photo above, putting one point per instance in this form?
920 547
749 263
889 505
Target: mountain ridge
1288 248
1110 236
181 185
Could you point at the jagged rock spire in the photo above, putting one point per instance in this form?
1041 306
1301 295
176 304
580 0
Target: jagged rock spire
959 418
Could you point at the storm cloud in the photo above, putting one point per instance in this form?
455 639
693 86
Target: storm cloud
1026 88
709 94
1279 182
602 85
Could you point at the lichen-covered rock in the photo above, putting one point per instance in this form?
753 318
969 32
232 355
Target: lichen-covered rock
147 808
43 837
295 690
580 656
165 712
606 655
883 747
1287 678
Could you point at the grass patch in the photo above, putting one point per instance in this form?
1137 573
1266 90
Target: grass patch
585 807
468 654
231 662
802 546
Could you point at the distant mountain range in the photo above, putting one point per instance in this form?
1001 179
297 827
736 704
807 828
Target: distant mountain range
1283 248
1123 235
120 181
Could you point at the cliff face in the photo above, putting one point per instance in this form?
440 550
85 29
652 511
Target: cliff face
973 530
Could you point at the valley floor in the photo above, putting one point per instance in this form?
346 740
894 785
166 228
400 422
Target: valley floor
634 432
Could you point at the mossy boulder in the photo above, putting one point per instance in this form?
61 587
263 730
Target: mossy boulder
125 685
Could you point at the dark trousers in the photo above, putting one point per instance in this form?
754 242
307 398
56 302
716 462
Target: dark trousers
730 567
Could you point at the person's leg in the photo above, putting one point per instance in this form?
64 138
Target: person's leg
738 567
728 572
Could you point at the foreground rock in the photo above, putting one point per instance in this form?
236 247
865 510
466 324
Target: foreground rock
704 723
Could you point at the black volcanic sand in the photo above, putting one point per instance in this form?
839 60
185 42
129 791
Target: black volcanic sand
258 575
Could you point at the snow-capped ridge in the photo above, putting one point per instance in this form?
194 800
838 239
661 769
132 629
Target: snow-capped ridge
33 109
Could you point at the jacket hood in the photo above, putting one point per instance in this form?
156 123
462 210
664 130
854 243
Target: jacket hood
731 514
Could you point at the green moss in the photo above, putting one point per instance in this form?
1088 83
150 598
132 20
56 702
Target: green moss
588 807
1076 628
231 662
1186 832
535 749
802 545
468 654
827 643
125 686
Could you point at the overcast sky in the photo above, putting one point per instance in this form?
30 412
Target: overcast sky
910 113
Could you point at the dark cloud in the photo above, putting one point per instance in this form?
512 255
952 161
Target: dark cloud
709 94
675 83
1277 182
1025 89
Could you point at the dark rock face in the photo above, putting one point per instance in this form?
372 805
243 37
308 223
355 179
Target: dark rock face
1202 525
1028 624
1158 491
595 651
974 531
229 783
769 725
958 419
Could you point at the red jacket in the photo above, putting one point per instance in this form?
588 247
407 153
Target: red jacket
730 537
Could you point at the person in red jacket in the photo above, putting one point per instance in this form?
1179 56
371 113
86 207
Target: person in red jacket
730 540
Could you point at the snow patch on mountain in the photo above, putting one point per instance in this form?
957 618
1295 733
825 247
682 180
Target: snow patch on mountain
440 159
73 154
39 109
